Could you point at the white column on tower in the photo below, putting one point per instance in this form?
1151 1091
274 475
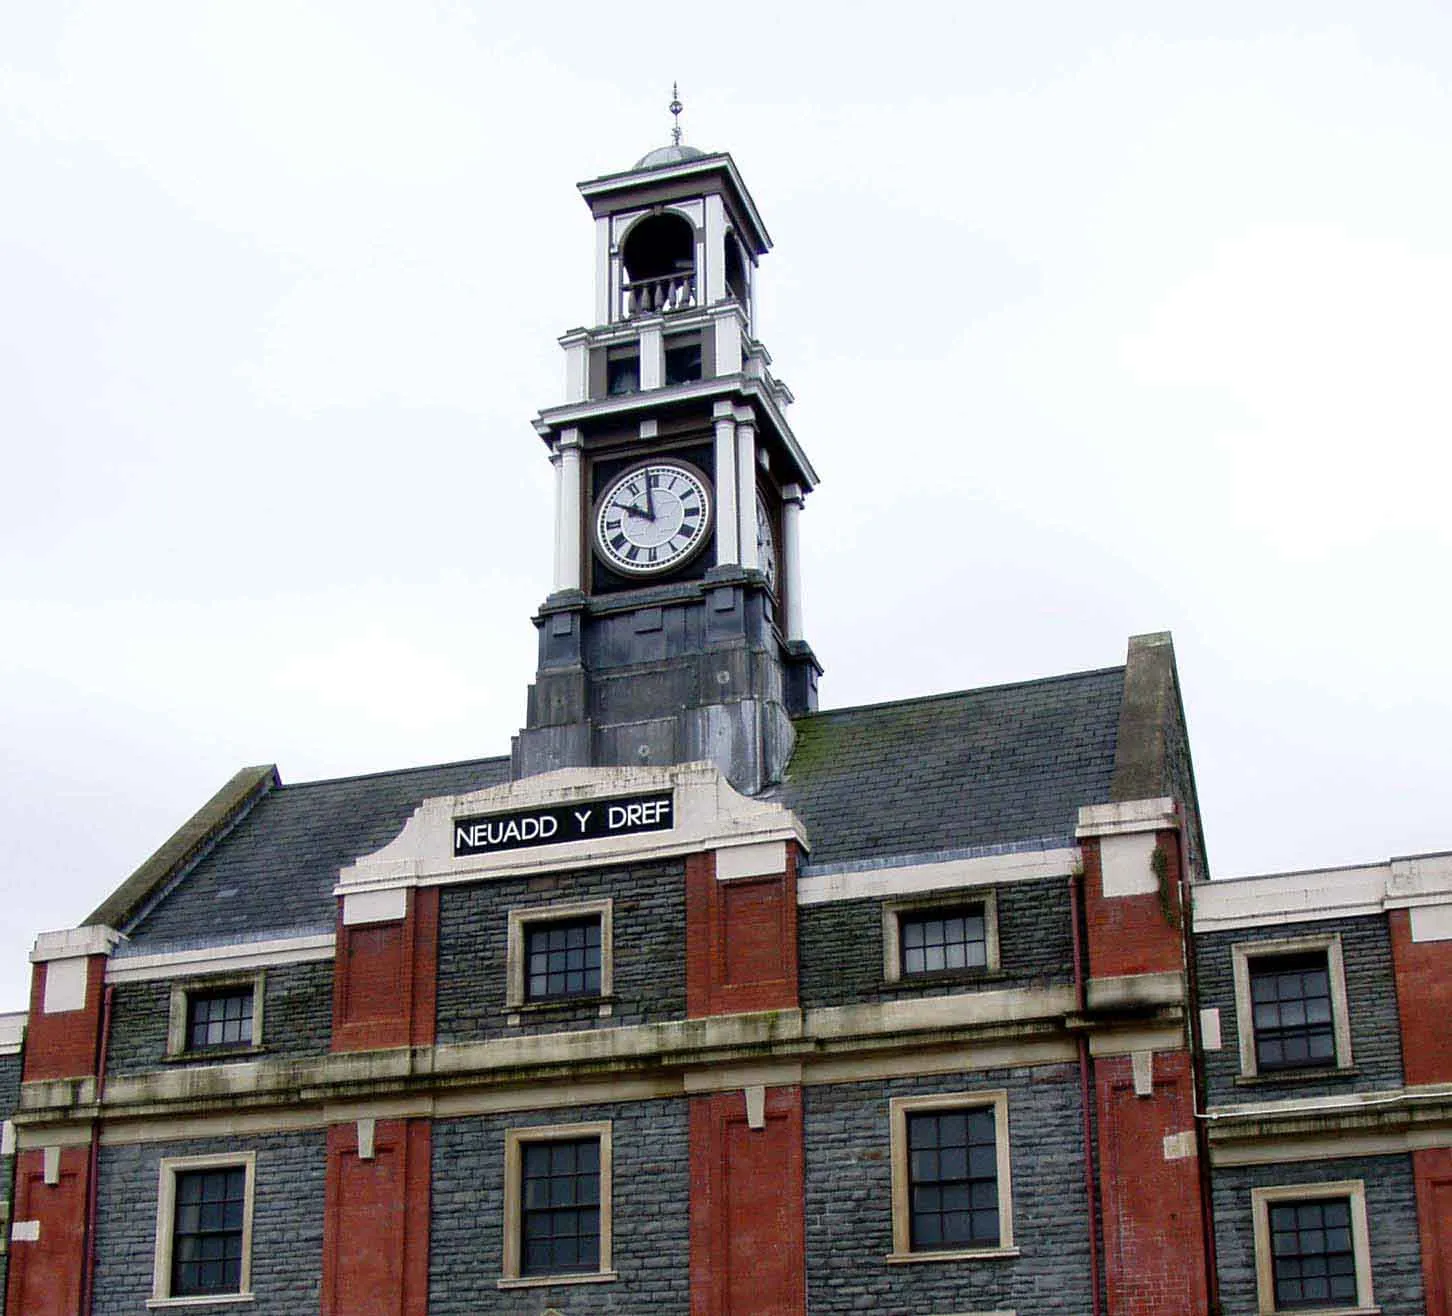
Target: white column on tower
728 540
711 282
746 485
569 488
603 269
791 558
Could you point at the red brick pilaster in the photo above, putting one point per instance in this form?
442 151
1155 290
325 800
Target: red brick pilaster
1424 999
1154 1239
63 1043
1134 931
385 977
48 1233
748 1226
741 938
376 1220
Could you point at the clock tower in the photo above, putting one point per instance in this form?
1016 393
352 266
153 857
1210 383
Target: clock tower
673 631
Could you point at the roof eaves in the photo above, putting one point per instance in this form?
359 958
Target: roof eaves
188 844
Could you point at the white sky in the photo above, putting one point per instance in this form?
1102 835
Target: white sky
1102 319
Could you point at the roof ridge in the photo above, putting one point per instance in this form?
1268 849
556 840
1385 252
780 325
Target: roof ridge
958 694
392 772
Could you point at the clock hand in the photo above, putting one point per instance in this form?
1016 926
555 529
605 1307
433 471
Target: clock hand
649 498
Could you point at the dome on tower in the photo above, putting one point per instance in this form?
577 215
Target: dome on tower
662 156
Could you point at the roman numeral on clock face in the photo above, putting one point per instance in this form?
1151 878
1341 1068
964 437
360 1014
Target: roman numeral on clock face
652 518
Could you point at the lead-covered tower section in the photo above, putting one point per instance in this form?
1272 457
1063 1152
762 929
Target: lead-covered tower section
673 631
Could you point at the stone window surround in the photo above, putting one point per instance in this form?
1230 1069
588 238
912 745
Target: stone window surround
515 1141
1242 953
1261 1200
171 1166
515 998
945 900
898 1110
181 993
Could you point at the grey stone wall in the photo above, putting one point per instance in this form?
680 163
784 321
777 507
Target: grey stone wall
1391 1211
849 1202
649 914
1376 1044
650 1217
840 945
287 1221
9 1100
297 1018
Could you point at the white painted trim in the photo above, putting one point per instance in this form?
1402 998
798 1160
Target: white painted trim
168 1170
1332 1147
7 1138
1241 956
388 905
937 875
65 985
1431 922
709 813
899 1108
12 1032
1262 1199
232 958
1127 816
515 1140
1417 882
893 910
1126 864
759 859
525 916
1210 1039
69 943
25 1231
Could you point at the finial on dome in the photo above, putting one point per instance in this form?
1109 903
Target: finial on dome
676 108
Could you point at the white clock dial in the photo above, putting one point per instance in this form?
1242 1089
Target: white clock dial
653 518
765 542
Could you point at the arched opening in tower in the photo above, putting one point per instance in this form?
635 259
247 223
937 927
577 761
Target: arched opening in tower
660 265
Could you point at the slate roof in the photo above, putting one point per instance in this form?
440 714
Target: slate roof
986 768
274 873
980 768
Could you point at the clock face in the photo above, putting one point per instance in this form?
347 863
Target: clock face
653 518
765 542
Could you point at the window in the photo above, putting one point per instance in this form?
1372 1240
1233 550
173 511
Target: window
622 374
1311 1247
216 1015
951 1191
1290 1002
557 1205
204 1228
558 955
928 936
1290 1005
682 360
562 958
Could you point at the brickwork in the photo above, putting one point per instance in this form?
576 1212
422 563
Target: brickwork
1424 994
1391 1212
841 948
1432 1169
1134 933
651 1210
1376 1048
741 939
297 1016
849 1202
648 911
287 1225
64 1044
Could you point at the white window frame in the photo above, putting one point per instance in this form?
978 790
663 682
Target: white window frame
515 1140
171 1166
183 989
1243 952
533 915
892 910
1261 1200
899 1108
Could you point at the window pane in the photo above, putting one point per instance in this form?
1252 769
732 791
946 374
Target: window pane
953 1180
1313 1262
562 958
207 1231
1292 1015
219 1018
560 1200
943 939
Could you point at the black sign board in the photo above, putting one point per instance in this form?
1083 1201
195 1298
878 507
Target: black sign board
589 820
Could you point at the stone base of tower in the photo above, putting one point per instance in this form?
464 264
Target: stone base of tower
687 673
